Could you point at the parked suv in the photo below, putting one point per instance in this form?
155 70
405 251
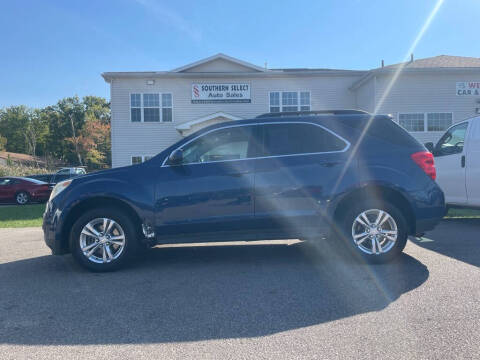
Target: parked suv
273 177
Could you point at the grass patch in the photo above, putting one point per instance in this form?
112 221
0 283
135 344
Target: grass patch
16 216
31 215
463 213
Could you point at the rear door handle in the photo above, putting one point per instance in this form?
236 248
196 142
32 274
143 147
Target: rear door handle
240 173
330 164
463 161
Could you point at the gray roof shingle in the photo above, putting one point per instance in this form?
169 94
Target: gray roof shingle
441 61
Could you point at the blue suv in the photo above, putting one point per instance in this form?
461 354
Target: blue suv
279 176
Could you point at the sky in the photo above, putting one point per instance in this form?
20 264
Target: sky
51 49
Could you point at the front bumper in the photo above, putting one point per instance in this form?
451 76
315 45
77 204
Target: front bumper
51 230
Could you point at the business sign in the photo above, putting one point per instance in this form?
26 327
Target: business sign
220 93
468 88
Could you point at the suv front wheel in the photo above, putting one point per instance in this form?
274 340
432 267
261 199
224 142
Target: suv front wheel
375 231
103 239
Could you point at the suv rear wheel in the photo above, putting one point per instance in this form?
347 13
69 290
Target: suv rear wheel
103 239
375 231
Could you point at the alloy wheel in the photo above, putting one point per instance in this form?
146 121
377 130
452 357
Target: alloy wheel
22 198
102 240
374 232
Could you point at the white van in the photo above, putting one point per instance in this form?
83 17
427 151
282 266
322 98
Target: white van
457 159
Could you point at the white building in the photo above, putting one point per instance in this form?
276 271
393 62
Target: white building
151 110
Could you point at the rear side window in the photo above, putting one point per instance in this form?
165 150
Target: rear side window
290 139
382 128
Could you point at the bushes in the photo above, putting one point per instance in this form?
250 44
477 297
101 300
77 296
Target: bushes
21 170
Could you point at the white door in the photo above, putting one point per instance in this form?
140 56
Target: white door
472 156
450 163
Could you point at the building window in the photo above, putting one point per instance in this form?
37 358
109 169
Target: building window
439 121
412 122
138 159
167 107
151 108
147 107
415 122
274 102
289 101
135 107
304 101
284 101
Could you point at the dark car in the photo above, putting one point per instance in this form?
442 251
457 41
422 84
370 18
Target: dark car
273 177
23 190
60 175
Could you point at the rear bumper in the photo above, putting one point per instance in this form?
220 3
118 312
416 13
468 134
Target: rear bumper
426 225
429 208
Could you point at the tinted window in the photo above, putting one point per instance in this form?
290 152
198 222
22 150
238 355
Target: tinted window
220 145
382 128
452 141
35 181
5 181
288 139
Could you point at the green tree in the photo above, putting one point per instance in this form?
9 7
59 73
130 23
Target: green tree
97 107
36 130
3 143
60 131
13 121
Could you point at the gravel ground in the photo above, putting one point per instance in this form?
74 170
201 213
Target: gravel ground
282 301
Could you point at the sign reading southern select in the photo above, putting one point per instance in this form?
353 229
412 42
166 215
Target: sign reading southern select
220 93
471 88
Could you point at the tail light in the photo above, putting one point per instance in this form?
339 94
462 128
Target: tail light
424 159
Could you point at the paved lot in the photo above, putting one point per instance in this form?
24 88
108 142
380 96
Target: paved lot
245 301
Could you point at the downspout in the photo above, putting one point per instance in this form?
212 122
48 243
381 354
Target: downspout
112 137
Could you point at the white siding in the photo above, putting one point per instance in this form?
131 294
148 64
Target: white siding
129 139
419 92
365 96
433 92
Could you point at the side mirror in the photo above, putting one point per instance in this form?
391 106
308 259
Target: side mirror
430 147
176 157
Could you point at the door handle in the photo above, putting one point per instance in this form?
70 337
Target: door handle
240 173
463 161
330 164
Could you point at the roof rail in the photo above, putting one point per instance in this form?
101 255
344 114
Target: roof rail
315 112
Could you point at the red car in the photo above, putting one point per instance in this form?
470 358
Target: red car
23 190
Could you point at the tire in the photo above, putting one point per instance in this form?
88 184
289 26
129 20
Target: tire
110 251
377 246
22 198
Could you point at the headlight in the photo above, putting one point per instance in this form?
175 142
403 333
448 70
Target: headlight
62 185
